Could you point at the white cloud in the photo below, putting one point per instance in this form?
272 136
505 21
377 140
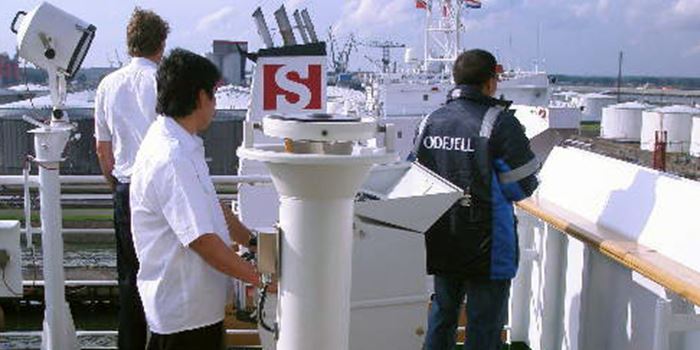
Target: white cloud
221 19
291 5
693 51
684 14
374 16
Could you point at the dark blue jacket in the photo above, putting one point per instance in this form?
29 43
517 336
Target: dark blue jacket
476 143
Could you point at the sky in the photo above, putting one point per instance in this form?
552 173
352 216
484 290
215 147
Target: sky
583 37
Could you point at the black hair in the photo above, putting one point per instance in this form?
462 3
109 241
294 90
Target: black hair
181 76
474 67
146 33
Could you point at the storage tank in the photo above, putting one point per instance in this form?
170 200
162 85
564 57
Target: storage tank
592 106
676 120
623 121
695 137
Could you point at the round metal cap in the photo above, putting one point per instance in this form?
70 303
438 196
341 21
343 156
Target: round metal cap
319 127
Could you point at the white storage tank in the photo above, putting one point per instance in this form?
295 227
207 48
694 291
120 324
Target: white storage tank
676 120
623 121
695 137
592 106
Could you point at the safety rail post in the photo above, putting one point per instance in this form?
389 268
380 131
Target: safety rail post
673 314
529 227
555 261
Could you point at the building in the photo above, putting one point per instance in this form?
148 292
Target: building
229 57
9 70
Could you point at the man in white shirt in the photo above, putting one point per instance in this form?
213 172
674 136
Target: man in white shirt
180 233
125 106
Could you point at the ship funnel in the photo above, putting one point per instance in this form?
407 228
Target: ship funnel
263 30
309 26
300 26
285 27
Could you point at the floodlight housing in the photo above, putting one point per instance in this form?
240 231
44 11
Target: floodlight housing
53 39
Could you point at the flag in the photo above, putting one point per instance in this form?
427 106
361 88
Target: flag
473 4
421 4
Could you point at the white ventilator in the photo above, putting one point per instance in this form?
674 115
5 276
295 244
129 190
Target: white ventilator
317 174
57 42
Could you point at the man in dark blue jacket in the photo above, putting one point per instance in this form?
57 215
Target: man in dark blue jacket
475 142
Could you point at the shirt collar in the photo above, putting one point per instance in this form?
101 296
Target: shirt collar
142 61
188 141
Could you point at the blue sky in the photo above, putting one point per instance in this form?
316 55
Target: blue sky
659 37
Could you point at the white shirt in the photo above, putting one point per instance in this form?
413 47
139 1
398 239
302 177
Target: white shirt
125 106
173 202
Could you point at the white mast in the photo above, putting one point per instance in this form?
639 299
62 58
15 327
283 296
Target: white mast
442 33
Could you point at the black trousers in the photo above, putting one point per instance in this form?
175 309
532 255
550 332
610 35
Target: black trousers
205 338
132 320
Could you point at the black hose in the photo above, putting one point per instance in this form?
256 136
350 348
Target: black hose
261 313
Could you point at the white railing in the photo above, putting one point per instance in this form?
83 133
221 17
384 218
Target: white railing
581 286
97 180
18 180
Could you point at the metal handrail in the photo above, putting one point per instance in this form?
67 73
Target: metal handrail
18 180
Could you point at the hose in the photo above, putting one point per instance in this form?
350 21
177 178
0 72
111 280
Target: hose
274 329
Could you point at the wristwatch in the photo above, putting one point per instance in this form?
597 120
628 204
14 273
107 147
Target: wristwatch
253 241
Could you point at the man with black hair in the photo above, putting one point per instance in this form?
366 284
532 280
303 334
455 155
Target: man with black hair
181 234
125 106
475 142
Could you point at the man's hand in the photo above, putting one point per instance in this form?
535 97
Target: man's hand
221 257
237 231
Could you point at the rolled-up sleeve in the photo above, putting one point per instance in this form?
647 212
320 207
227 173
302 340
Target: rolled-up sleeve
184 202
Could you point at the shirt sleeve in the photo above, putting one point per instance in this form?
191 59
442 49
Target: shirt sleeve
102 132
515 164
184 202
147 96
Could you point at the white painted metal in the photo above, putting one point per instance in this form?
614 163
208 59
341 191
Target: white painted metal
593 104
401 188
525 88
11 276
521 291
27 209
113 333
74 283
442 34
623 121
606 306
33 181
47 27
555 259
410 99
270 80
537 120
677 121
337 131
406 128
316 219
695 138
58 328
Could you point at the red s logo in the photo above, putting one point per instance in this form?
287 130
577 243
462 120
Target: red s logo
285 87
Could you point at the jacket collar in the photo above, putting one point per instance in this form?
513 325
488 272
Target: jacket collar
472 93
